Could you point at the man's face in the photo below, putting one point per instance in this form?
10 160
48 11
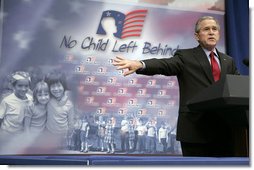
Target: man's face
208 35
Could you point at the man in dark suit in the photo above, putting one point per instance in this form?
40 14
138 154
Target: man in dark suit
200 134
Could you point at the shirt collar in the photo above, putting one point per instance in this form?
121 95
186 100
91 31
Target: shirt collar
207 52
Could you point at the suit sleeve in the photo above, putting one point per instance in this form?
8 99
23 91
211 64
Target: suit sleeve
166 66
234 69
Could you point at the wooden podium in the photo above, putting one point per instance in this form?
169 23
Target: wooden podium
229 96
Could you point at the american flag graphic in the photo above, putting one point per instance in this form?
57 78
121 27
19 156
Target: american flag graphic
133 23
129 25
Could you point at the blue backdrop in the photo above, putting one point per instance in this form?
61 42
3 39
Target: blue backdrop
237 32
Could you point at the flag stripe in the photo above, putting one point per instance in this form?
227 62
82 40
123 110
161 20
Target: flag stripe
134 30
135 25
131 35
127 23
137 11
135 16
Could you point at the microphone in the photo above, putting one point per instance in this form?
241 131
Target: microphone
246 62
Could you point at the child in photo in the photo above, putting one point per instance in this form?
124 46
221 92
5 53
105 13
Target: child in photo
36 115
60 109
75 143
12 113
13 106
124 134
163 136
151 136
101 132
142 130
84 131
109 136
131 130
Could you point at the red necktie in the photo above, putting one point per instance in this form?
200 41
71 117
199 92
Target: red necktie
215 67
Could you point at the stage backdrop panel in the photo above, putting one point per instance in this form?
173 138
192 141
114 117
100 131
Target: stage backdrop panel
80 39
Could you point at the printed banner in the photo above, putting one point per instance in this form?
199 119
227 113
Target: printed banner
60 92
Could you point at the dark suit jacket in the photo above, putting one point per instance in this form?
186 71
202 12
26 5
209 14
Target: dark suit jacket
193 72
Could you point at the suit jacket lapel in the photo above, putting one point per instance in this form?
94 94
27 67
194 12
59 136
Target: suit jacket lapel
201 57
223 64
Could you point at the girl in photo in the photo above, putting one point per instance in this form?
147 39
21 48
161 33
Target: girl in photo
36 115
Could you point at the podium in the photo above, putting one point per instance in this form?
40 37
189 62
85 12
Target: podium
230 97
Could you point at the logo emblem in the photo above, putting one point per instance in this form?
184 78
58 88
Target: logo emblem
122 25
